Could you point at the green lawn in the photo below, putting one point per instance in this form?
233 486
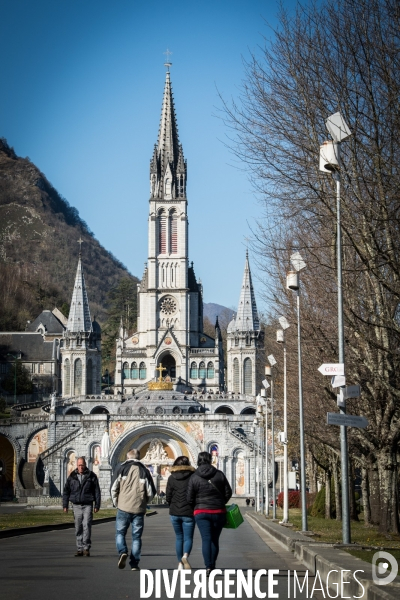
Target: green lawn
368 554
330 530
30 518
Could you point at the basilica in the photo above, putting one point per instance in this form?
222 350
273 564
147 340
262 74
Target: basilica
175 392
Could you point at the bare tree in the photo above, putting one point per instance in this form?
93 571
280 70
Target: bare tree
341 55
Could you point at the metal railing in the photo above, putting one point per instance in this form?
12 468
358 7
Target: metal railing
58 445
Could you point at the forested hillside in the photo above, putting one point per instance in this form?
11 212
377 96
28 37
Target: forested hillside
39 234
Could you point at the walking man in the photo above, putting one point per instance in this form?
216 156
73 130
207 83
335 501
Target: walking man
82 489
132 489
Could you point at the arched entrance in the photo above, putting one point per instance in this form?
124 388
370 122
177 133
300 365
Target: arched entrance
7 472
169 364
224 410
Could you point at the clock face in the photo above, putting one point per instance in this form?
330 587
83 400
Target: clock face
135 340
203 340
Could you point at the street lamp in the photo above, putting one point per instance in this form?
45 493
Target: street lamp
266 479
293 283
280 338
268 372
329 162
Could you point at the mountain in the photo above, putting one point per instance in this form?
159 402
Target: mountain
39 233
211 311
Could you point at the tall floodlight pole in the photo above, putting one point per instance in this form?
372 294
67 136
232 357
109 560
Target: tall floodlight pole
293 283
329 162
281 338
272 362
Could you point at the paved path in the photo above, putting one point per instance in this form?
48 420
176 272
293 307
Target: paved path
42 566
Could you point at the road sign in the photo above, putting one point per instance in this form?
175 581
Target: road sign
271 360
346 420
338 381
332 369
351 391
265 384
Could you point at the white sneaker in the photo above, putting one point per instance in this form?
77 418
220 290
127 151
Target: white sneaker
180 566
186 562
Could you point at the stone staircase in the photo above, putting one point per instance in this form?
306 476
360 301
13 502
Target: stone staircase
240 435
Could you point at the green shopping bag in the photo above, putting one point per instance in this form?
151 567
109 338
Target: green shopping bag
233 516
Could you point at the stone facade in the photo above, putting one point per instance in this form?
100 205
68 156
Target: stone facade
170 397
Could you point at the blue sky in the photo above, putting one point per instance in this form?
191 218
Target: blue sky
82 84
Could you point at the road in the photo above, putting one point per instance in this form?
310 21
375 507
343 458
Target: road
42 566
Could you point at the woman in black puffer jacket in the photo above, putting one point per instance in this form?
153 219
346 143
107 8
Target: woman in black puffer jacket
208 492
181 512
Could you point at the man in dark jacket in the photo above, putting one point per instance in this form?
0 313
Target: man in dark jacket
82 489
208 492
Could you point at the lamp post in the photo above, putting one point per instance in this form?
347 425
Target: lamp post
266 479
293 283
252 431
329 162
272 362
280 338
15 357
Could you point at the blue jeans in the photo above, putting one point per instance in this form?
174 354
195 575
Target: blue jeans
124 519
210 526
184 530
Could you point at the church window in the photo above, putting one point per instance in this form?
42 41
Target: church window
247 376
162 232
41 368
202 370
134 371
248 339
173 232
67 377
142 371
168 305
168 186
193 371
210 370
236 375
89 377
78 377
236 341
126 371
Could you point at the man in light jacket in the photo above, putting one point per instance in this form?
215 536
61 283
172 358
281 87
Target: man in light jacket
132 489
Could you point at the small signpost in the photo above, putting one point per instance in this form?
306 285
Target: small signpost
332 369
265 384
338 381
351 391
346 420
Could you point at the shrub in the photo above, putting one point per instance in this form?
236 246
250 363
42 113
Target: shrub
294 500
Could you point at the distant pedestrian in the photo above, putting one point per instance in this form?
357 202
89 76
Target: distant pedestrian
83 490
253 503
208 492
181 512
132 489
247 501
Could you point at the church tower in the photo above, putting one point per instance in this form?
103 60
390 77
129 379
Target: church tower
170 303
245 339
81 346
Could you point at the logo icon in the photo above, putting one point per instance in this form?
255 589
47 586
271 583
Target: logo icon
380 566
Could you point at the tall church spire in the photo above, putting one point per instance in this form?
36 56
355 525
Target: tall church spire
79 312
247 316
167 165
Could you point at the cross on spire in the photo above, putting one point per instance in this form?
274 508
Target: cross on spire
167 63
80 242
